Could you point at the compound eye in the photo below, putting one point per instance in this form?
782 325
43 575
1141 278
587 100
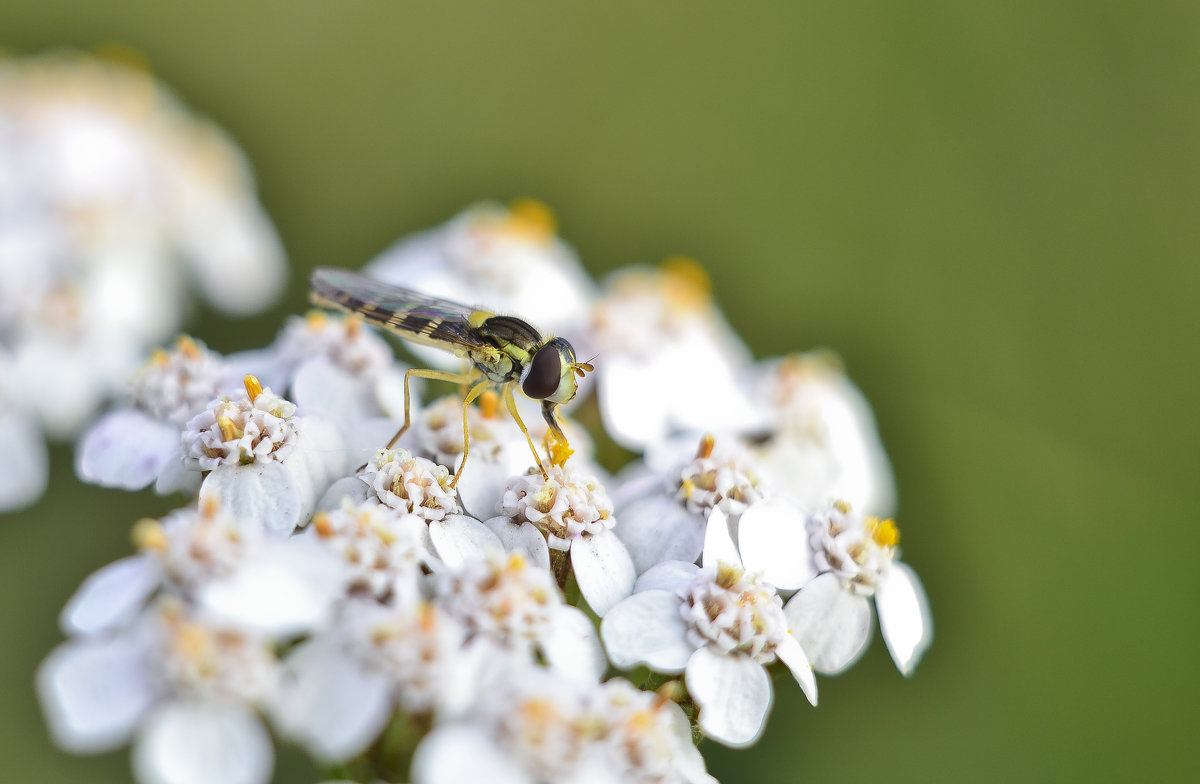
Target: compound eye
545 372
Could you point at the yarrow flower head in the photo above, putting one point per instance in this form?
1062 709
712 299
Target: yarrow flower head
138 444
719 626
855 558
259 427
383 549
573 512
412 485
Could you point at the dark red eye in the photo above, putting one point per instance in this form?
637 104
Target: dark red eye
545 371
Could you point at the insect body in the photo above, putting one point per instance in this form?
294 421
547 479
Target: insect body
503 351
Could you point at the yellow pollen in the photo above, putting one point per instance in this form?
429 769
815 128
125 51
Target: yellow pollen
229 431
685 282
706 446
186 346
149 535
531 218
559 451
728 575
515 563
537 711
688 487
316 319
842 506
209 506
884 532
159 358
253 387
190 640
426 616
489 404
322 526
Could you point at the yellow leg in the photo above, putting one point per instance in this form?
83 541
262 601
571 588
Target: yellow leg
432 375
475 391
512 409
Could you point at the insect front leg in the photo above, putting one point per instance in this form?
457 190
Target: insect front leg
511 404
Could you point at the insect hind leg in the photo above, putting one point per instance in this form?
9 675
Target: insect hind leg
432 375
511 404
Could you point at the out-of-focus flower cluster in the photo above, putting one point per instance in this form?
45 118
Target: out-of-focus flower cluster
519 625
117 206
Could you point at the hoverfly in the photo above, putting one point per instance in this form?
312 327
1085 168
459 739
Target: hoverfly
504 351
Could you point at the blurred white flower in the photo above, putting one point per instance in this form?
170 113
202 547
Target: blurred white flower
667 503
668 361
24 461
227 566
515 605
822 441
182 689
573 511
135 445
506 260
112 198
343 685
262 461
532 728
852 559
720 627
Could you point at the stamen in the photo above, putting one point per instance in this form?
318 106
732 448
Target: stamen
686 283
186 346
322 525
533 218
706 447
159 358
149 535
253 387
229 431
316 319
884 532
489 404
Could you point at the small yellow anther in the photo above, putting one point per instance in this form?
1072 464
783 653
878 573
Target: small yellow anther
686 283
322 526
354 324
159 358
883 532
148 535
316 319
489 404
532 218
728 574
186 346
559 451
515 563
229 431
209 507
253 386
706 447
842 506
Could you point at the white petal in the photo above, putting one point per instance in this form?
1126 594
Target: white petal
647 629
603 570
673 576
24 463
200 743
632 417
773 540
320 445
110 596
176 475
525 538
718 542
95 692
282 590
461 754
322 387
126 449
572 647
459 538
483 484
734 695
657 529
333 706
792 655
261 494
904 616
832 625
347 487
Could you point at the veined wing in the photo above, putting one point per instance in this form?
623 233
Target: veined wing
410 314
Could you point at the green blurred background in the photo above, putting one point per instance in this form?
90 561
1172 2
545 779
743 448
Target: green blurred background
983 207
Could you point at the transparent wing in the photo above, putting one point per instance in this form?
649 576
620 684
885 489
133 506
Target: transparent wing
410 314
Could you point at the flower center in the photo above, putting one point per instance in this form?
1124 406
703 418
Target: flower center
735 614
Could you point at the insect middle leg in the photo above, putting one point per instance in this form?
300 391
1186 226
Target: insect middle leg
475 391
432 375
511 404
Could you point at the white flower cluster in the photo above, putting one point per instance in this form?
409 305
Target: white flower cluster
396 622
115 202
